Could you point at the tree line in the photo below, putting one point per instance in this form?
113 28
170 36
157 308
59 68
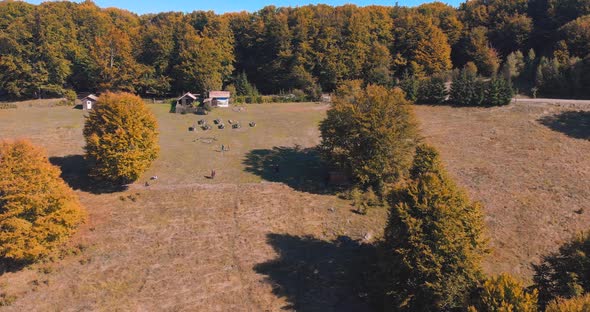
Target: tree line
55 46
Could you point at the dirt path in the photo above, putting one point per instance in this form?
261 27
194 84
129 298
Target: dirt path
558 102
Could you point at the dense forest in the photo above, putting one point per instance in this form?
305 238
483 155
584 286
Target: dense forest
47 49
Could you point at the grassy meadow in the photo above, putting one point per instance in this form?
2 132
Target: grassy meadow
264 235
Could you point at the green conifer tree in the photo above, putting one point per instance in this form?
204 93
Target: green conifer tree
434 240
466 89
498 92
244 87
410 85
432 91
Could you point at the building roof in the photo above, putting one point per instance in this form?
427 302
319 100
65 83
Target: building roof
219 94
91 97
192 96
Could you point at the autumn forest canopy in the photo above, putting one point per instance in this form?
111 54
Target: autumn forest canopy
57 46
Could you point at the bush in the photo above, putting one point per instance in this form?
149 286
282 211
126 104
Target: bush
434 241
314 93
356 195
577 304
432 91
38 211
121 138
207 106
565 274
70 96
300 95
8 106
504 293
369 132
362 200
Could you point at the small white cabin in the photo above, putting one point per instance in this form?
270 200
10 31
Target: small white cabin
89 102
219 98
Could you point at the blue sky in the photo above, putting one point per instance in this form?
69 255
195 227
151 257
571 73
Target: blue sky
222 6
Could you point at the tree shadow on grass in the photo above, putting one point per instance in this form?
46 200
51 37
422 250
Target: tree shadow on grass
9 266
318 275
74 171
575 124
300 168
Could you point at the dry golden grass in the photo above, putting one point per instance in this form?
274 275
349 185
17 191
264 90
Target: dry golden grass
188 243
191 243
534 181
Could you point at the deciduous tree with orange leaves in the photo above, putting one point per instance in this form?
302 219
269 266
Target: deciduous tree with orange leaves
38 211
121 138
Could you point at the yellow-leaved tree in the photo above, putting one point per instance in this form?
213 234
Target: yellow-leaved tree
576 304
505 293
370 132
38 211
433 52
121 138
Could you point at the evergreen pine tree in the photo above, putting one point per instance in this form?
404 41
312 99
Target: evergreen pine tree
466 89
244 87
498 92
434 240
410 85
432 91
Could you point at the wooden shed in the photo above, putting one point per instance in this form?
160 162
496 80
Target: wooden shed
186 103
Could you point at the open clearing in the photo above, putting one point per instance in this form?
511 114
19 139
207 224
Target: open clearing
254 239
528 163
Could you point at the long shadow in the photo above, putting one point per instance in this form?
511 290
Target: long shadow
575 124
8 266
300 168
563 273
74 171
317 275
